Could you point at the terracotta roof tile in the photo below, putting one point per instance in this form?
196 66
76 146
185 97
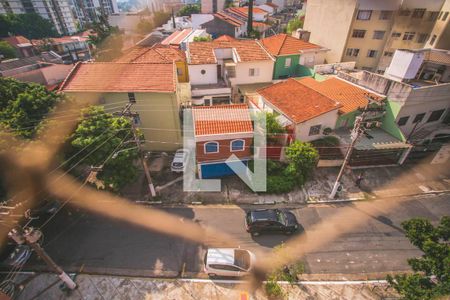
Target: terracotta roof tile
350 96
120 77
156 54
244 10
177 37
221 119
225 38
203 52
229 19
298 102
283 44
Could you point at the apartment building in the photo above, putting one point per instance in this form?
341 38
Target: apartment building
212 6
66 15
440 35
59 12
368 31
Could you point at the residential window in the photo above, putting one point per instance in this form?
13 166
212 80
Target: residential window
433 39
435 115
212 147
364 14
396 34
357 33
237 145
445 16
287 62
253 72
440 14
408 36
433 15
378 34
404 12
314 130
422 38
418 118
402 121
372 53
352 52
381 72
131 97
418 13
388 53
386 14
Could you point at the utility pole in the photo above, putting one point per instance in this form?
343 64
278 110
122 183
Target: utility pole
31 237
126 112
356 132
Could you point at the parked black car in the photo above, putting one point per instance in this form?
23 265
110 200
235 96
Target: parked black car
270 220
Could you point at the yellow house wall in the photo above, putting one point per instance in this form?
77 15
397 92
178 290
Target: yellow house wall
158 112
182 71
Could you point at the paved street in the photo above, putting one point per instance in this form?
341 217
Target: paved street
78 240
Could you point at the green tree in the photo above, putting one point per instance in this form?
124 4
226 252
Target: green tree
302 159
106 133
24 105
202 39
294 24
273 127
189 9
6 50
144 26
431 277
32 26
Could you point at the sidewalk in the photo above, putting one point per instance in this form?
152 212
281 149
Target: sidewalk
379 182
46 286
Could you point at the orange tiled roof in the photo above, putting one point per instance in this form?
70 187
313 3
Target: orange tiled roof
350 96
16 40
120 77
221 119
229 19
283 44
177 37
156 54
225 38
200 53
244 10
298 102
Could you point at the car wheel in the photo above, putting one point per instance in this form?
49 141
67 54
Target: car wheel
255 233
212 275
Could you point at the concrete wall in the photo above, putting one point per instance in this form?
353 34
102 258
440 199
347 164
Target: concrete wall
329 22
326 120
196 76
158 112
310 59
404 65
207 6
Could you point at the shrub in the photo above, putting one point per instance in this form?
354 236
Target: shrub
278 184
273 290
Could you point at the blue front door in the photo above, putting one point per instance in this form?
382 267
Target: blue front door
216 170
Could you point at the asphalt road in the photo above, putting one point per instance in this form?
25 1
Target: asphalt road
78 240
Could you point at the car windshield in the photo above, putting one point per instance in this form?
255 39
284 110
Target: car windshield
281 217
242 259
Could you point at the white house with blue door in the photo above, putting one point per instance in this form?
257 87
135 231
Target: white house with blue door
221 131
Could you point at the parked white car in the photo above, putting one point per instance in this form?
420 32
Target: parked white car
180 160
233 262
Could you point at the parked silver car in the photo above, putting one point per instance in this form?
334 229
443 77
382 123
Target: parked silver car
233 262
180 160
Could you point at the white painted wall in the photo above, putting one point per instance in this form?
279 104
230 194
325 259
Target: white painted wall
424 100
326 120
404 65
265 68
196 77
310 59
260 17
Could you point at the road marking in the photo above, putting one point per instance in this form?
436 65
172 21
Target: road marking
336 282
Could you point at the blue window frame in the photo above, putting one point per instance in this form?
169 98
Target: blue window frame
211 147
237 145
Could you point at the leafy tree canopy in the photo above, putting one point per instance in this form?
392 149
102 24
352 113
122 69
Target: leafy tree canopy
189 9
32 26
24 105
202 39
302 159
294 24
106 134
6 50
431 277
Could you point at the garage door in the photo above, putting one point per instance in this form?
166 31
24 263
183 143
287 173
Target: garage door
217 170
